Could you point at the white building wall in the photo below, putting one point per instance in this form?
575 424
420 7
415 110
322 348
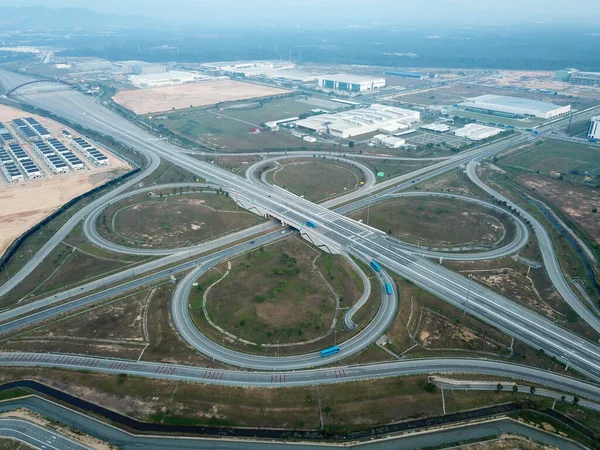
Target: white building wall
594 132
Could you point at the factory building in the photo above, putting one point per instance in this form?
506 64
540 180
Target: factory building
359 121
388 141
412 75
594 132
578 77
476 132
513 107
351 83
165 79
147 69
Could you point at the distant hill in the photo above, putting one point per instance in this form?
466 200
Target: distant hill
19 18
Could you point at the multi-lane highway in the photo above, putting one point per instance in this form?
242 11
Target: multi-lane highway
333 374
37 436
337 233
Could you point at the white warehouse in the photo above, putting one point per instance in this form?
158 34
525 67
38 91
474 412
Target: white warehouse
502 105
475 132
359 121
165 79
594 132
350 83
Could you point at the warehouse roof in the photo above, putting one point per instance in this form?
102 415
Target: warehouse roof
515 102
349 78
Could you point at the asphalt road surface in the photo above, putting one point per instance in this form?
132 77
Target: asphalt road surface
342 234
37 436
129 441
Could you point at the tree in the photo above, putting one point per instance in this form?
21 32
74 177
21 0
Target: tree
327 410
351 144
430 387
430 145
499 387
563 399
532 390
515 388
594 210
575 400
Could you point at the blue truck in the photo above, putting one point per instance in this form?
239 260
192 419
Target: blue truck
376 267
388 288
311 224
330 351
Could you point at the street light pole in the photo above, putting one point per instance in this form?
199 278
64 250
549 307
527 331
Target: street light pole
468 292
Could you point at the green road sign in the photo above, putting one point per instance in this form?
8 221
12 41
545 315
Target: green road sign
380 174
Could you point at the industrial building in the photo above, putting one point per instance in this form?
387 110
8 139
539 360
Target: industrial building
12 172
359 121
435 127
578 77
166 79
350 83
412 75
91 152
388 141
284 71
476 132
513 107
594 132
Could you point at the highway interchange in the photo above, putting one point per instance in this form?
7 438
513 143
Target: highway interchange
334 232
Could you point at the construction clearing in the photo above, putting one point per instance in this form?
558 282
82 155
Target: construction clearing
26 203
161 99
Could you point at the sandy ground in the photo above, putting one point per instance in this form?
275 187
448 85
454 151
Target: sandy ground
24 204
144 101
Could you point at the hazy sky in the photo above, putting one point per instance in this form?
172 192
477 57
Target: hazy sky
401 12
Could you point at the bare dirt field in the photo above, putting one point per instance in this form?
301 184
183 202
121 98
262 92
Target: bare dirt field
26 203
161 99
576 202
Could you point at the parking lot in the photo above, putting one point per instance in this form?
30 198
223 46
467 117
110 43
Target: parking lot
424 138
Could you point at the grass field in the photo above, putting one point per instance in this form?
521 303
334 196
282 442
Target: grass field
223 131
173 218
316 179
273 294
391 167
458 92
344 406
436 222
275 110
136 325
556 156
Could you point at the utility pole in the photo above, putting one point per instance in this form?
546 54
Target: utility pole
468 292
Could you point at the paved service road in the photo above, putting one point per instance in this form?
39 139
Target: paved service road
37 436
